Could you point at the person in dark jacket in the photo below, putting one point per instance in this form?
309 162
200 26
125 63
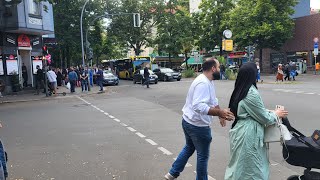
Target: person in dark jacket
59 77
39 79
146 75
25 75
73 77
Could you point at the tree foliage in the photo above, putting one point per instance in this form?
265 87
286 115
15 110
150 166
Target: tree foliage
122 26
211 17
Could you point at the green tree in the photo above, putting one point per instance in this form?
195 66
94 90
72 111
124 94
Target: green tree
266 23
211 17
175 30
122 26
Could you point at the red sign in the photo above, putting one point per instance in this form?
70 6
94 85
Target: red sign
11 57
24 41
236 54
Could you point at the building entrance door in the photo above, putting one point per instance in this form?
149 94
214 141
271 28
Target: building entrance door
25 68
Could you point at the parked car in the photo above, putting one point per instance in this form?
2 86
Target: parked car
109 78
167 74
138 77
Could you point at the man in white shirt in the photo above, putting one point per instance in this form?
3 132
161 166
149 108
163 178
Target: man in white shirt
200 107
52 77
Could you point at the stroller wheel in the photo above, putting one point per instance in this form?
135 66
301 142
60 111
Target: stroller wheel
294 177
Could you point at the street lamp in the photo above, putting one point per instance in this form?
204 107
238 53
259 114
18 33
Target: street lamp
81 29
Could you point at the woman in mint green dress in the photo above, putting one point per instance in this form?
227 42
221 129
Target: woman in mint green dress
248 151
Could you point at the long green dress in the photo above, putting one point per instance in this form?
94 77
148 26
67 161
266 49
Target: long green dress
248 151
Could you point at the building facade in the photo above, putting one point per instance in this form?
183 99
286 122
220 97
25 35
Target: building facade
22 27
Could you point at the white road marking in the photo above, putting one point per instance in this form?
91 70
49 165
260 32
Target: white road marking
299 92
117 120
309 93
112 117
209 177
123 124
187 165
107 114
94 106
165 151
151 142
131 129
140 135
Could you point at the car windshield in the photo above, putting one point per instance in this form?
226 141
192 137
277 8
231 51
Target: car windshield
167 70
107 72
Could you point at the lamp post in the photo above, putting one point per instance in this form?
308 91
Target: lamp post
81 29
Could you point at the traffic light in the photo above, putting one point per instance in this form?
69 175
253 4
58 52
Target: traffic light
136 19
44 50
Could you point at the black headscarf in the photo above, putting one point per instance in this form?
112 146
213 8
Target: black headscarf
246 78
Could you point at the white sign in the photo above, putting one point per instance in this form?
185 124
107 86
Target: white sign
35 21
197 58
315 40
227 34
1 67
316 51
12 67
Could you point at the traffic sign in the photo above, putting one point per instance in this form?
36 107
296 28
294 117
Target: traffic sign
316 45
316 51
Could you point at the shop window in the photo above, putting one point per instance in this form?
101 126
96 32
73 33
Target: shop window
34 8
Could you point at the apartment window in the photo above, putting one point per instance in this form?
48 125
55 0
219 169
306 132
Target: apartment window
34 7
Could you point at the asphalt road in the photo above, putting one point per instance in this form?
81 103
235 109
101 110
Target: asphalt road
133 132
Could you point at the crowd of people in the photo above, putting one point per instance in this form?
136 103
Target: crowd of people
287 72
71 78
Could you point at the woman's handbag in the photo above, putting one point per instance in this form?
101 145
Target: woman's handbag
277 132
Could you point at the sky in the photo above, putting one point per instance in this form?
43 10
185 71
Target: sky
315 4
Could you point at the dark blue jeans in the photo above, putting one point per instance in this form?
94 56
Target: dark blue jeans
99 82
84 85
199 139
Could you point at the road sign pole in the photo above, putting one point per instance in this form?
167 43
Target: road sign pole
315 64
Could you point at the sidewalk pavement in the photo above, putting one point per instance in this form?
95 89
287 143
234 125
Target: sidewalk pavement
30 95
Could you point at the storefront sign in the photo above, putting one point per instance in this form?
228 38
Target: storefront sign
24 41
236 54
227 45
36 61
35 21
1 66
12 64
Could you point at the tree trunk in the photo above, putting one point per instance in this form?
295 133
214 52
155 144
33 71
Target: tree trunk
186 58
260 60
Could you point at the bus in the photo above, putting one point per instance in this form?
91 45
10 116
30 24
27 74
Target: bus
126 67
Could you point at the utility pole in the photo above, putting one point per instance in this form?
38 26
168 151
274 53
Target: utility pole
81 29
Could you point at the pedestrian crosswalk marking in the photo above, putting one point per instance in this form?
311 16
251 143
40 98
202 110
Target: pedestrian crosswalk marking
140 135
165 151
151 142
295 92
131 129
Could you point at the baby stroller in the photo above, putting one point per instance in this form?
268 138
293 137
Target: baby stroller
304 152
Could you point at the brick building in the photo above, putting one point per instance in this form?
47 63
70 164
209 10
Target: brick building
300 47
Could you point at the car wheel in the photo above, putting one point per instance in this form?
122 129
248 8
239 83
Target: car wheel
156 82
178 79
294 177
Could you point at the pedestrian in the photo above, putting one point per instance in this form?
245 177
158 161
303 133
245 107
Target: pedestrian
287 72
84 79
146 77
39 80
223 72
78 82
258 78
279 76
73 77
91 72
59 77
293 71
248 151
24 75
52 77
99 75
201 104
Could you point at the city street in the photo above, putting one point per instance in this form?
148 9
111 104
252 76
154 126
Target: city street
134 133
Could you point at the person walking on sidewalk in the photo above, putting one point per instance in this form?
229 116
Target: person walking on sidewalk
100 78
247 149
73 77
146 75
201 104
39 79
52 77
84 79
